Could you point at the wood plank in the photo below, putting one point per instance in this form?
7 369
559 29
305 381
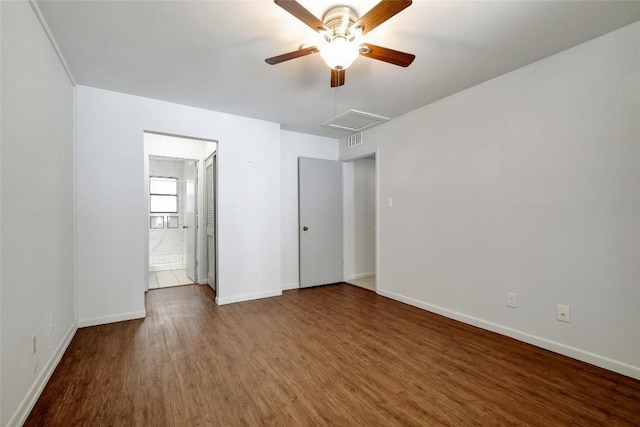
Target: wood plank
332 355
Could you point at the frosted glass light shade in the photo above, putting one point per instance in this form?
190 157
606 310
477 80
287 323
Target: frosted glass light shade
340 53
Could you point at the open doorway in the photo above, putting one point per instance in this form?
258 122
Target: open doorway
179 229
359 193
171 240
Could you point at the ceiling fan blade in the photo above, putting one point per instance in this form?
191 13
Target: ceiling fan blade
387 55
297 10
292 55
337 78
380 13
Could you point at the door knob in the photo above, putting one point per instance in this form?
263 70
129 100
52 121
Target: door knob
305 228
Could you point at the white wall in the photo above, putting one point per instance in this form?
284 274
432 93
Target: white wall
110 174
37 210
359 190
294 145
527 183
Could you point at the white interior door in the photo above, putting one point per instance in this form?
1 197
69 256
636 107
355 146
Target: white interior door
191 213
210 165
320 214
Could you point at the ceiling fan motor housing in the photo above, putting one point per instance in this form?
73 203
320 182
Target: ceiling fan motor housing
340 20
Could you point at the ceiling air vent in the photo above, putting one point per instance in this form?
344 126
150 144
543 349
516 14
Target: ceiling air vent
354 121
354 140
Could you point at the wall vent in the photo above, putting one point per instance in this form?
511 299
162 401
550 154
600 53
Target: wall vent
354 140
354 121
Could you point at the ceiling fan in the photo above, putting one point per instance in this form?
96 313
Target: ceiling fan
341 28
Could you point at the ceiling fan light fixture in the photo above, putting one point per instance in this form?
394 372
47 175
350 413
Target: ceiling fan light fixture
341 30
339 53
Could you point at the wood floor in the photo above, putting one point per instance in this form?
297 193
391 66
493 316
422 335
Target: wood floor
334 355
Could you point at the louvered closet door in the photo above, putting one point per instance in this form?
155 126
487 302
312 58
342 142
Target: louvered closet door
211 220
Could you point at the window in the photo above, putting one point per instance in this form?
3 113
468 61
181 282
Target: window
163 195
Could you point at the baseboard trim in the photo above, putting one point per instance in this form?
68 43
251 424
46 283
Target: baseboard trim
291 285
248 297
556 347
94 321
29 401
359 276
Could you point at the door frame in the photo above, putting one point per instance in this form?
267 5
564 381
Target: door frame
201 236
349 158
194 234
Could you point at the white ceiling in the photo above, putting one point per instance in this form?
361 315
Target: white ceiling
210 54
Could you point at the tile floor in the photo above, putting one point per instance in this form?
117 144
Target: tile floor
368 282
168 278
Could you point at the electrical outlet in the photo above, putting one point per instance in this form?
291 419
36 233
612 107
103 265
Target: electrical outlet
563 313
34 344
512 300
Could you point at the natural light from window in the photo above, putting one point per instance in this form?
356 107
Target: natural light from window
163 195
